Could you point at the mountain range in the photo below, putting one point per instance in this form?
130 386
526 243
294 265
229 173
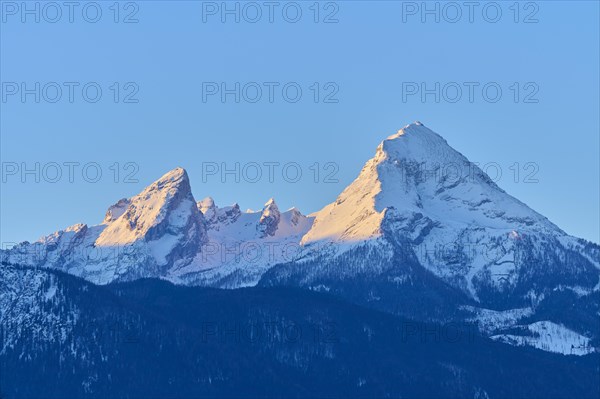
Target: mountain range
421 234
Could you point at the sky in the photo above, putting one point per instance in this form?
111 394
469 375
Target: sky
289 100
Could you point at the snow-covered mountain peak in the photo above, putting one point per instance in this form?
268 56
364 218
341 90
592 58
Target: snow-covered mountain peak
270 208
417 142
142 236
414 127
216 216
269 219
164 206
206 203
294 211
176 180
208 208
243 245
415 172
178 174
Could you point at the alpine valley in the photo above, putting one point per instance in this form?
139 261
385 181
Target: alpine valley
423 279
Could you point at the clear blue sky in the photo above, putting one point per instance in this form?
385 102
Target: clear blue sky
372 54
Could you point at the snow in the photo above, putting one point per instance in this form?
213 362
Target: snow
146 210
50 293
419 188
147 229
237 243
23 310
550 337
116 210
416 171
207 207
490 320
163 246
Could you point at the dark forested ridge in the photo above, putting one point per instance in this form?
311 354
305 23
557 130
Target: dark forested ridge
63 337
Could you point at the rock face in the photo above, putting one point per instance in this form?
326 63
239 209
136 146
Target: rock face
208 209
116 210
269 219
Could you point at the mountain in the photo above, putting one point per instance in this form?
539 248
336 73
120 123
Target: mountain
241 246
420 193
143 236
421 233
425 233
63 337
163 232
